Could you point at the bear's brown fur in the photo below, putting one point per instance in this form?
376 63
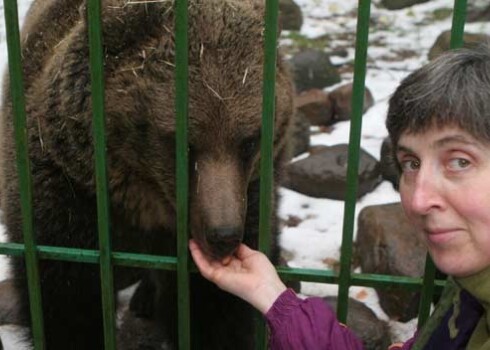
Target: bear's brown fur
225 96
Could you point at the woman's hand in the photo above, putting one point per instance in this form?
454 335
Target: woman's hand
248 274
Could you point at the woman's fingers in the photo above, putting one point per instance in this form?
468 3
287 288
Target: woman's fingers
202 262
243 252
214 271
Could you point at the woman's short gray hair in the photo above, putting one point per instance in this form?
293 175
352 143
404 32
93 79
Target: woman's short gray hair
454 89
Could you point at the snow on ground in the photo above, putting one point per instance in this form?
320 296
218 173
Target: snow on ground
399 43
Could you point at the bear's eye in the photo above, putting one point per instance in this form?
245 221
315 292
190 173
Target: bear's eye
249 147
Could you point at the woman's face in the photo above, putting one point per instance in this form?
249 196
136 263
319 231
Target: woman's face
445 192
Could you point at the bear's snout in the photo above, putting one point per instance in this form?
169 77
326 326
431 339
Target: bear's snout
218 205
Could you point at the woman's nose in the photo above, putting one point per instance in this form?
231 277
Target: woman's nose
426 193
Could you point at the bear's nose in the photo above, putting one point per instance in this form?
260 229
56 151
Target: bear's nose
225 235
223 241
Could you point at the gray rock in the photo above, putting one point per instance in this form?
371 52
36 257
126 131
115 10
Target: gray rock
478 11
388 244
400 4
479 15
300 132
442 43
323 174
373 332
341 101
317 149
477 4
387 164
291 17
313 70
316 106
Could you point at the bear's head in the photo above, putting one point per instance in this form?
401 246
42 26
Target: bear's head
225 109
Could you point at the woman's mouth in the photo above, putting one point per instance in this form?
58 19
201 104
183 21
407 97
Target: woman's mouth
440 236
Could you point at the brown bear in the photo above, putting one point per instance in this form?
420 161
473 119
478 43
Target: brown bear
225 95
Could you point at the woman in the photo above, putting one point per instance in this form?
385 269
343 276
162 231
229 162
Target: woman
439 123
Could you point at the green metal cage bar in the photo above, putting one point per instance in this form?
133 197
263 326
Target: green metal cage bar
457 34
267 132
98 120
23 168
182 164
427 291
459 19
267 140
362 34
170 263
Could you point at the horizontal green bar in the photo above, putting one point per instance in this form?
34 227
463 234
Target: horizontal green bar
170 263
409 283
358 279
92 256
145 261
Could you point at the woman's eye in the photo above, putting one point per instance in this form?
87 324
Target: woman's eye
409 165
458 164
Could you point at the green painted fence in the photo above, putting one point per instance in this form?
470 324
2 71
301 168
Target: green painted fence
107 258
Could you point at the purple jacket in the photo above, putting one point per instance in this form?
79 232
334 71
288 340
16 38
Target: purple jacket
308 324
311 324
